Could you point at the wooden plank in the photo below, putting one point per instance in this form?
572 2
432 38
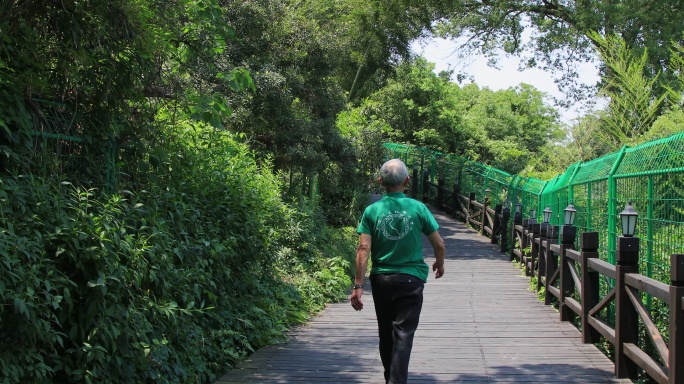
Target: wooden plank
573 254
603 267
645 361
574 305
653 331
645 284
479 324
603 328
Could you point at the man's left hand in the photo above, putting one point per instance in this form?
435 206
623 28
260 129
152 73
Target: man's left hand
439 269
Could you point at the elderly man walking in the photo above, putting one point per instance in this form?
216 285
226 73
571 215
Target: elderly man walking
391 232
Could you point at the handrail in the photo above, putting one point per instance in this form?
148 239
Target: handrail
576 292
573 279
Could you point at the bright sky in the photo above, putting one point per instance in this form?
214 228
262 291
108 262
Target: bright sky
443 53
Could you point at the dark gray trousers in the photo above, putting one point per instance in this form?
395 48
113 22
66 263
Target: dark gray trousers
398 301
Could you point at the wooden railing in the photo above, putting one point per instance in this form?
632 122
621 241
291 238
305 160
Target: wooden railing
490 222
571 279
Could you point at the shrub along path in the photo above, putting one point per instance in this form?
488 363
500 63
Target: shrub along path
480 324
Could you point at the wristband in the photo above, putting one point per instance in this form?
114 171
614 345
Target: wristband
357 286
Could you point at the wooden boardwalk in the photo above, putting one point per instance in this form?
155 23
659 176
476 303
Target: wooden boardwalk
480 324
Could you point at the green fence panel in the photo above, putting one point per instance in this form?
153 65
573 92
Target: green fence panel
650 176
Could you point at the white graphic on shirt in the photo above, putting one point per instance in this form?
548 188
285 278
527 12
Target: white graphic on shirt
395 225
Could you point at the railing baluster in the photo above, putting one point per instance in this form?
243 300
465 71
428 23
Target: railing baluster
590 285
626 320
676 363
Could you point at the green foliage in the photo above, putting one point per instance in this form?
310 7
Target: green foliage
564 33
503 129
634 103
170 284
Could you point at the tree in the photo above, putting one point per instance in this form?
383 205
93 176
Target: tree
503 129
634 100
563 31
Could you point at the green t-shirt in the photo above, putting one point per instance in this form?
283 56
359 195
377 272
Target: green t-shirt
396 224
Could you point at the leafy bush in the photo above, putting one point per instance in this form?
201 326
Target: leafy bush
173 283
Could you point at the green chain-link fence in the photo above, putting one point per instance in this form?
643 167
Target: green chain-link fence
62 148
651 176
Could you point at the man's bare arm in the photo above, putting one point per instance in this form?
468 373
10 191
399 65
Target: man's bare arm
438 246
362 253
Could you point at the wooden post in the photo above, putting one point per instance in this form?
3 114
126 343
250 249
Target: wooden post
414 183
567 283
589 242
484 216
426 186
496 224
534 253
551 264
626 318
440 194
543 250
676 365
517 220
505 215
455 201
471 198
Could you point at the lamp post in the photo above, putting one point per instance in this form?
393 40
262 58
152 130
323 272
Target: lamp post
568 230
570 213
547 214
629 218
487 193
567 283
533 218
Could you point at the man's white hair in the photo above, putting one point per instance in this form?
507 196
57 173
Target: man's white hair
393 173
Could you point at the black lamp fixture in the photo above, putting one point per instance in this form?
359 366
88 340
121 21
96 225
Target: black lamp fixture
629 218
570 213
518 207
533 213
487 193
507 204
547 214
